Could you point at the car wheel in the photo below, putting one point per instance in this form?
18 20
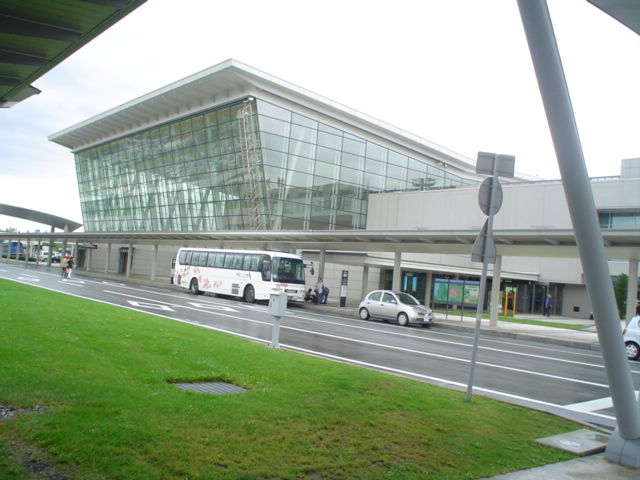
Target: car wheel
403 320
633 350
249 294
364 313
193 287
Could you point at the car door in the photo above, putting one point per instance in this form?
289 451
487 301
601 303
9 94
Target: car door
389 306
373 304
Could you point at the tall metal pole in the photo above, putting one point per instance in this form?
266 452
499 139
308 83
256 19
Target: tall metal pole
575 180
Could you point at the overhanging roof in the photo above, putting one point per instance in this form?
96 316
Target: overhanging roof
36 35
228 81
626 12
39 217
619 244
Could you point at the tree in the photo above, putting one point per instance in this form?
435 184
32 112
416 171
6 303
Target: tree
620 290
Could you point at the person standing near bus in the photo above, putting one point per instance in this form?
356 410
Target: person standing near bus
319 289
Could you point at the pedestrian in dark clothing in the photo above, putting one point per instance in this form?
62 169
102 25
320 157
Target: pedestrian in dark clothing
547 306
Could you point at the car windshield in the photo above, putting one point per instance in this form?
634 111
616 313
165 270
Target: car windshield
288 270
407 299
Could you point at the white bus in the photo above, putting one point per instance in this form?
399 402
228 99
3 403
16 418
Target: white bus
249 274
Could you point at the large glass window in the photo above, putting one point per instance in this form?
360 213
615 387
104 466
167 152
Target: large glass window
250 165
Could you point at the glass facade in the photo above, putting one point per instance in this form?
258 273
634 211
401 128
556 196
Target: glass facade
250 165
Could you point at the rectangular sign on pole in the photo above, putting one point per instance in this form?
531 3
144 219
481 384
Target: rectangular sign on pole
504 168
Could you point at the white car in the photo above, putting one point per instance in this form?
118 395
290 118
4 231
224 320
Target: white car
397 306
632 338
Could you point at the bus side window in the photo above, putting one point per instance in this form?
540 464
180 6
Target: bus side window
187 258
183 257
219 260
255 263
265 268
212 260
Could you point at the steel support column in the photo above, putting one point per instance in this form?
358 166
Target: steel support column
624 443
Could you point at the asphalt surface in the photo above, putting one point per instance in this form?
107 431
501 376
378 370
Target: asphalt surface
589 467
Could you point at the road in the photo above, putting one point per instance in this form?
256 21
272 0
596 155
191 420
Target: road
570 382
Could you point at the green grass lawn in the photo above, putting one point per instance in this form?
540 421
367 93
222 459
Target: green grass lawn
103 374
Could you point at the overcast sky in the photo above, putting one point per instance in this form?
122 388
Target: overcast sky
457 73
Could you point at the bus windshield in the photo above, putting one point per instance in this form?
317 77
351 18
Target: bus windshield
288 270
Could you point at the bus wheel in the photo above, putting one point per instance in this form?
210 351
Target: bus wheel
249 294
193 287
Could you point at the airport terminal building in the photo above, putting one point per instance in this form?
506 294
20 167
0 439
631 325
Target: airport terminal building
233 149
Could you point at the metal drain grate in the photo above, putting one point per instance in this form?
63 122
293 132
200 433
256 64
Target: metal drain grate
214 388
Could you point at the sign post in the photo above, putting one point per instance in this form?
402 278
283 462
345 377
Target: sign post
277 308
484 249
343 288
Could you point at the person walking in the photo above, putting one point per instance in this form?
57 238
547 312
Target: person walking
547 306
64 263
70 265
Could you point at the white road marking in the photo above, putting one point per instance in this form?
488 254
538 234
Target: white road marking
151 306
213 306
592 405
